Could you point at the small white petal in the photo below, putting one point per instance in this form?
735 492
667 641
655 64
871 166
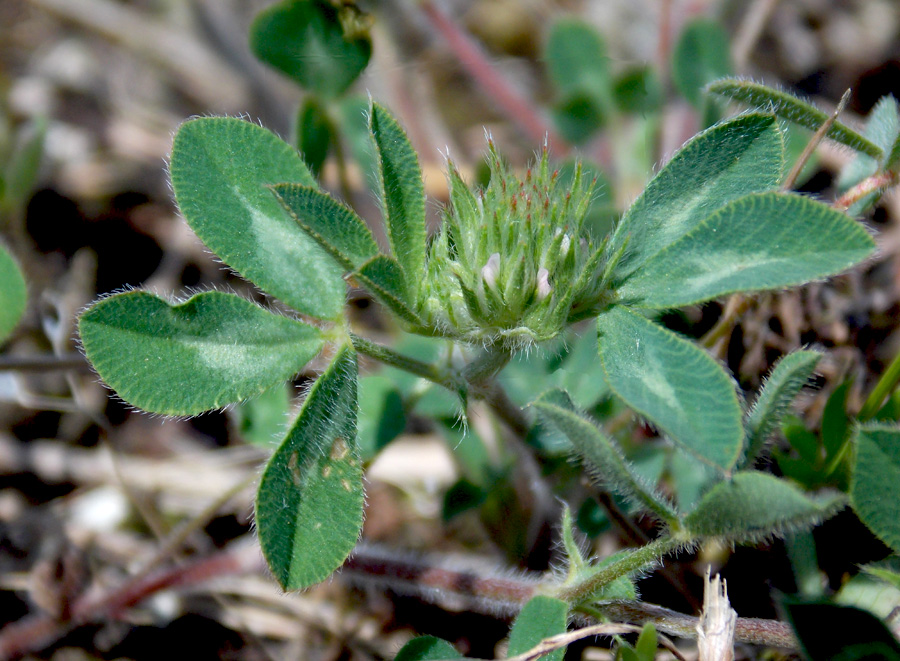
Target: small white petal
543 284
491 270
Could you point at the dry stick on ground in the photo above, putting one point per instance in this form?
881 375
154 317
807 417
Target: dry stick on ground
201 73
738 304
36 632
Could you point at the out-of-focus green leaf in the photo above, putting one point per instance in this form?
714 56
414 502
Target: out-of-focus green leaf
702 55
883 129
381 414
852 633
262 419
308 41
13 294
23 166
638 91
315 134
427 648
577 64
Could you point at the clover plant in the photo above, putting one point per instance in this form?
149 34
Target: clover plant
511 268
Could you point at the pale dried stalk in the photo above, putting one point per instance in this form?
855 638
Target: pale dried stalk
715 630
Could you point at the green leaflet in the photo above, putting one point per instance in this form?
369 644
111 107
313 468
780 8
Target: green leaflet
262 420
853 634
780 389
875 484
792 109
13 294
220 170
427 648
308 41
757 242
383 276
402 195
734 158
314 133
604 459
883 129
674 384
540 618
887 571
582 569
22 166
645 647
578 66
755 505
381 414
701 55
212 350
309 508
335 227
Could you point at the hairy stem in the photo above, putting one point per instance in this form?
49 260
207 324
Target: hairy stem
881 391
635 561
390 357
875 183
486 365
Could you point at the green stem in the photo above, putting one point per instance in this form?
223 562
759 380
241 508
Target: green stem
486 365
405 363
882 389
634 561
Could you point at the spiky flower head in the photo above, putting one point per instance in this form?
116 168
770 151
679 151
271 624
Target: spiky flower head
512 263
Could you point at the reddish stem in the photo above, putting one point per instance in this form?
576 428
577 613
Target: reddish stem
872 184
519 109
38 631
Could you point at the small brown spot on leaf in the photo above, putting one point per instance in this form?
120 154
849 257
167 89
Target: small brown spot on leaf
294 469
326 471
339 449
346 485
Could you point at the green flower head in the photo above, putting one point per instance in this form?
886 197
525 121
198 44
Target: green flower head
512 264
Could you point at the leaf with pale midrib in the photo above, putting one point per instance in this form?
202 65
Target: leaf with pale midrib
732 159
674 384
220 170
758 242
212 350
